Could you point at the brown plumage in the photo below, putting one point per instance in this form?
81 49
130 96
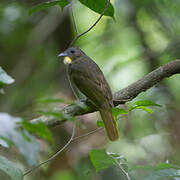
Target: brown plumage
89 79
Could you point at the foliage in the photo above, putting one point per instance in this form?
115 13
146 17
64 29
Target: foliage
57 114
10 134
5 79
11 169
160 171
143 105
100 123
48 4
165 173
101 160
40 128
118 111
97 6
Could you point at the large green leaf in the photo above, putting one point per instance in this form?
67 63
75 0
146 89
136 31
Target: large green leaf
10 168
98 6
25 143
48 4
101 160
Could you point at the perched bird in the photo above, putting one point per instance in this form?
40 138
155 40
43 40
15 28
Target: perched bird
89 79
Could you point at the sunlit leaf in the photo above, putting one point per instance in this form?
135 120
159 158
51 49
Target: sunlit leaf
25 143
48 4
39 128
100 124
98 6
101 160
141 107
118 111
147 103
11 169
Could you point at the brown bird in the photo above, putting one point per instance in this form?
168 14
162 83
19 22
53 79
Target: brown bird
89 79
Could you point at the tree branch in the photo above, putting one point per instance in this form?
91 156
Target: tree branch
120 97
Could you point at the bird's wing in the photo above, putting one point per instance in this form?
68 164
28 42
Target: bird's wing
90 80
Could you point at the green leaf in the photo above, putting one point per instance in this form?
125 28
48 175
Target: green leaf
157 175
147 103
98 6
5 79
100 124
117 111
101 160
10 134
141 107
145 109
10 168
48 4
39 128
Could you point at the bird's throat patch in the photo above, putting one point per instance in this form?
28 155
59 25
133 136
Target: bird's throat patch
67 60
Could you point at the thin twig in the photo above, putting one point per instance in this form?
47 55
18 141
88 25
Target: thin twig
55 155
72 139
102 14
87 134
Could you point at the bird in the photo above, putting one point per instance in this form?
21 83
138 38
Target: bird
86 75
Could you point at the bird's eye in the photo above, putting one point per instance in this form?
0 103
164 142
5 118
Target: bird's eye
72 51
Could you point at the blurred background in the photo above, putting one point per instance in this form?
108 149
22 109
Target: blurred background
145 35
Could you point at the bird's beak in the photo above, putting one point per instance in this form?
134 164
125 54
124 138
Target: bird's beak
67 59
64 54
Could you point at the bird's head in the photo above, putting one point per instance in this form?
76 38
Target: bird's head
71 54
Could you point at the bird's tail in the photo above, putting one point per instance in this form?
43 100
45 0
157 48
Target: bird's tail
110 124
